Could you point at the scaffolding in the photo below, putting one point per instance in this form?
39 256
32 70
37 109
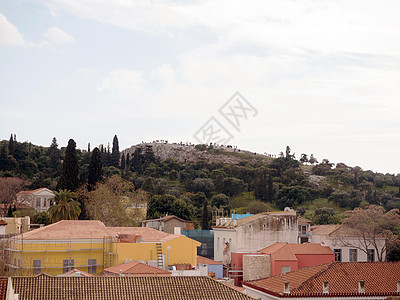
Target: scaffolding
20 258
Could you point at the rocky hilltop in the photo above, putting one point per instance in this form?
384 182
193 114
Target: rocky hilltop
189 153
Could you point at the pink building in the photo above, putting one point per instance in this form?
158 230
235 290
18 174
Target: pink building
286 257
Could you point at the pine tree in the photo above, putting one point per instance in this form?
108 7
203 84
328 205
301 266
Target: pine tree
123 161
55 158
204 220
69 179
95 169
115 152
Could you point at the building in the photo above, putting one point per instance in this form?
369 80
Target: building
90 246
253 233
337 280
346 245
304 230
16 225
135 268
287 257
39 199
215 268
169 224
44 287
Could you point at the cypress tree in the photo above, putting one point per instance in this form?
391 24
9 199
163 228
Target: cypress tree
115 152
123 161
128 162
95 169
11 145
88 147
10 211
69 179
204 221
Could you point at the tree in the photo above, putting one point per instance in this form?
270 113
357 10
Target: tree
115 202
220 200
261 186
115 153
312 159
11 145
205 216
95 169
128 162
66 208
123 162
324 216
41 218
9 187
55 158
70 172
371 224
161 205
255 207
304 158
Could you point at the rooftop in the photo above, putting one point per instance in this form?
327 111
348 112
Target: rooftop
33 191
286 251
343 277
148 234
206 261
44 287
135 267
3 288
76 272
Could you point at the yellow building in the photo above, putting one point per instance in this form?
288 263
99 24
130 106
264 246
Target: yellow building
90 247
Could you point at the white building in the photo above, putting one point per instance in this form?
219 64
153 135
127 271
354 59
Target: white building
347 246
253 233
39 199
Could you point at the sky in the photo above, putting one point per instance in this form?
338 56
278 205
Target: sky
320 76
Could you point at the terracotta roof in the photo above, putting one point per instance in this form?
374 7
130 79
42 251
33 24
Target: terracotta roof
3 223
3 288
303 221
135 267
343 277
286 251
68 229
45 287
206 261
324 229
148 234
30 192
76 272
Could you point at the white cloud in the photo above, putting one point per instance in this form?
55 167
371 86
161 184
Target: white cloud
58 36
9 34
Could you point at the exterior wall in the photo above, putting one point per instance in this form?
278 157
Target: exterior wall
255 235
221 236
256 267
337 243
309 260
217 269
276 265
51 254
182 251
17 225
171 224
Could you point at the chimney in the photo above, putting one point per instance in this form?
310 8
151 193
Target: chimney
325 287
361 286
286 289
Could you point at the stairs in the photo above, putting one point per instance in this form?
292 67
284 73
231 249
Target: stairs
160 260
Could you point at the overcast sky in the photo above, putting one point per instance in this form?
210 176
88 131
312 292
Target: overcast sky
323 76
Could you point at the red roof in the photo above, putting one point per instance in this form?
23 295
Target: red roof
135 268
3 289
286 251
76 272
343 278
3 222
31 192
206 261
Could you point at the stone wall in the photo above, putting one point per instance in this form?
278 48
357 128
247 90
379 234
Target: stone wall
256 267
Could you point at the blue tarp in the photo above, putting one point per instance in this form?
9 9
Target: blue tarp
240 216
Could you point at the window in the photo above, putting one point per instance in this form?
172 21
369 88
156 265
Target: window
338 254
361 286
68 265
44 202
286 289
303 229
353 255
92 268
303 240
325 287
217 243
371 255
285 269
38 202
37 266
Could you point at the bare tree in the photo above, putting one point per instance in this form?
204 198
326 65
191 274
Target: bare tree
9 187
370 226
